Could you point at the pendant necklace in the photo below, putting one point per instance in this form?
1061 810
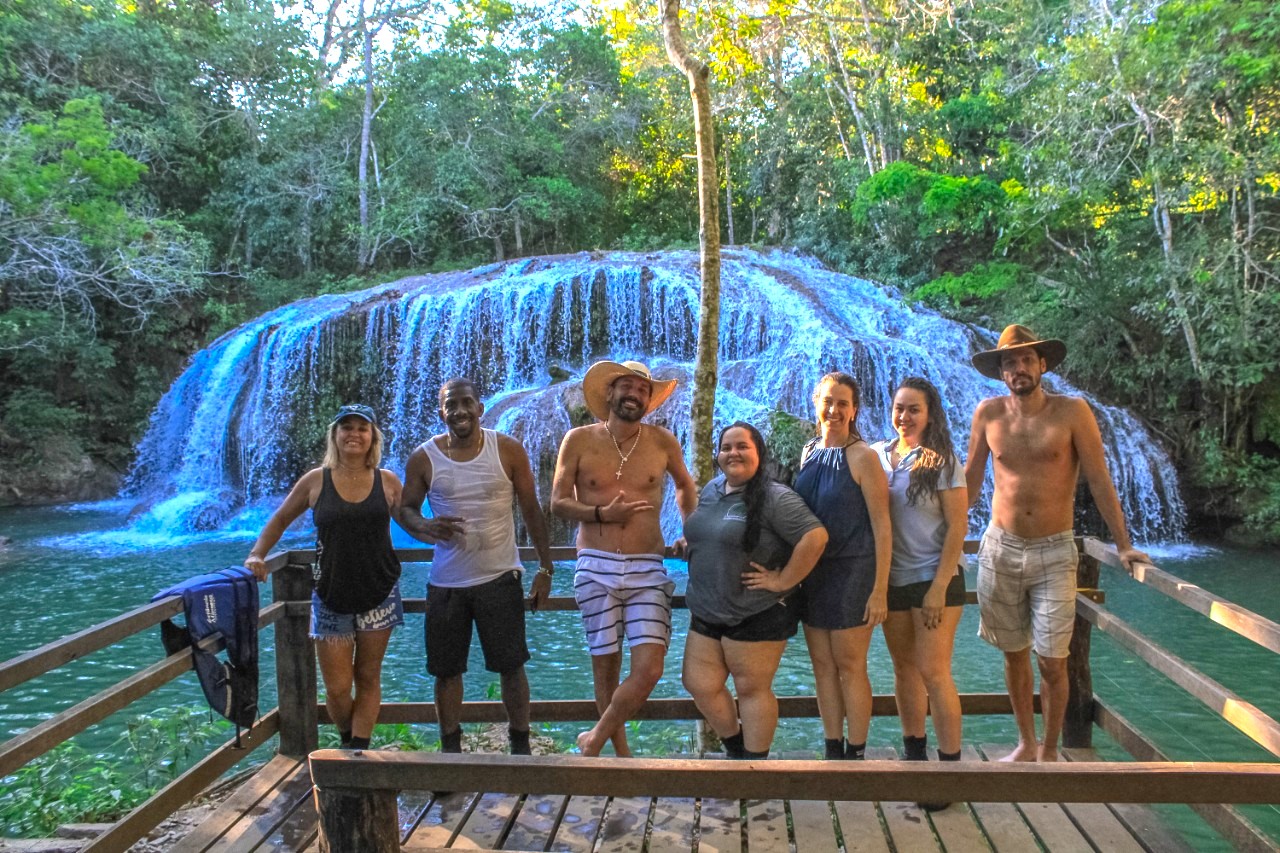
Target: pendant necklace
448 445
623 456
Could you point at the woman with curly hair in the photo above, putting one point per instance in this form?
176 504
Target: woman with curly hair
929 505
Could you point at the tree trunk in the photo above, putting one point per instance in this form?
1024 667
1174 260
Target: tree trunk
705 371
728 197
366 126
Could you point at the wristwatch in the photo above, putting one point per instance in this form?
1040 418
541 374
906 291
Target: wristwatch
546 570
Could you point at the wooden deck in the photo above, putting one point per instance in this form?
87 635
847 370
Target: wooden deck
276 811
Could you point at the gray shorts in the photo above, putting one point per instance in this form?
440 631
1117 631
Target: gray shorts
1027 591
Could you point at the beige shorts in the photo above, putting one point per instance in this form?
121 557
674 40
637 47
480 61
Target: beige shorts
1027 591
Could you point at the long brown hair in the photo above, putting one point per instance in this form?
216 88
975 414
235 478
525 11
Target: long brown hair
937 454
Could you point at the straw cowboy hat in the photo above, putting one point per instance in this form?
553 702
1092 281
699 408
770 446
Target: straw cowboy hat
601 375
1015 337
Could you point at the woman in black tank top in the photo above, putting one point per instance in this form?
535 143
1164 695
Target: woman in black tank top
357 597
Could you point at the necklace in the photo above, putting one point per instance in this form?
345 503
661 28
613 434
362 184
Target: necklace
448 445
623 456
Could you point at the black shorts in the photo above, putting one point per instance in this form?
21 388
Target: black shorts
912 595
777 623
496 608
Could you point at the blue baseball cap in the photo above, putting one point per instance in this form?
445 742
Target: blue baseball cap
357 410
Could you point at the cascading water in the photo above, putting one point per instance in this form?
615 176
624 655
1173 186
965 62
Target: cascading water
249 414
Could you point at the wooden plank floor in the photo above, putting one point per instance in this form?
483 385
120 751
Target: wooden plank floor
276 812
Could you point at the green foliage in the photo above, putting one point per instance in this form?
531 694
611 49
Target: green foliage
32 415
1245 486
980 287
1108 173
786 436
70 785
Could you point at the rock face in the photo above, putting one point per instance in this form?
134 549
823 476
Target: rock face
63 473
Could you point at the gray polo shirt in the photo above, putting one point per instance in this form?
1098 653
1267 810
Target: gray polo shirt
920 530
717 560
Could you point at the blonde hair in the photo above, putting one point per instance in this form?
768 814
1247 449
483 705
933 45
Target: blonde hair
371 459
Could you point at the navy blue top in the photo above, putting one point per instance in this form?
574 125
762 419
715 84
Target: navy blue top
827 486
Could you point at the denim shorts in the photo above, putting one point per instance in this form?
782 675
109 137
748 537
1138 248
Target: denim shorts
328 624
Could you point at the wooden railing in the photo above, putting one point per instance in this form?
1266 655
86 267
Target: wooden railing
299 715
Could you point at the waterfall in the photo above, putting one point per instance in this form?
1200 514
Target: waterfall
248 415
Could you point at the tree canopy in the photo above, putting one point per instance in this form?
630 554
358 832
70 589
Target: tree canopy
1108 172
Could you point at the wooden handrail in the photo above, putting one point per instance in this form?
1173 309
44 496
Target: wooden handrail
995 782
1229 615
134 826
39 739
585 710
1234 826
50 656
1241 714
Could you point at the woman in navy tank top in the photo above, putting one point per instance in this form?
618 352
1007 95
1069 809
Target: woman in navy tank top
356 602
845 596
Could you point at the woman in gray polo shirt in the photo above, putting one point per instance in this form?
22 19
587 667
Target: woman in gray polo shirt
929 507
749 542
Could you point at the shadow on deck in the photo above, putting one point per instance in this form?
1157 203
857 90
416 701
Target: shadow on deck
275 811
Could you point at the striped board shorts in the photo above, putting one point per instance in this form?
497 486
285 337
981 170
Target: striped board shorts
1027 591
621 594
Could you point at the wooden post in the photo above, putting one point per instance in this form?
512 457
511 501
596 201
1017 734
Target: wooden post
1077 729
295 662
358 820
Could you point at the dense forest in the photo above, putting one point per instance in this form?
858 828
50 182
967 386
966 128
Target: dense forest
1101 170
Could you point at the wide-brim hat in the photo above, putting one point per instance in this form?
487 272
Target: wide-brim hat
1015 337
601 376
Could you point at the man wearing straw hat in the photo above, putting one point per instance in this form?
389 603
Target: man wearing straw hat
609 478
1038 443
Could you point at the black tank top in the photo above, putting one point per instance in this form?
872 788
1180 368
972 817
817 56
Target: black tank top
358 567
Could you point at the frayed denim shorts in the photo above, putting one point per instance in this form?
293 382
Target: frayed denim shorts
327 624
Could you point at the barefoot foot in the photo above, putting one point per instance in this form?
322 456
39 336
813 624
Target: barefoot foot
1047 753
1022 752
588 744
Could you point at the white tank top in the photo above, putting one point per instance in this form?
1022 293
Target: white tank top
479 492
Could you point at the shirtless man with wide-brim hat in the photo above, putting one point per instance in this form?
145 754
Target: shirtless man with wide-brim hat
610 478
1038 443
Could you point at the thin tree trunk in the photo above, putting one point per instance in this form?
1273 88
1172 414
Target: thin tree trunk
705 370
366 127
728 197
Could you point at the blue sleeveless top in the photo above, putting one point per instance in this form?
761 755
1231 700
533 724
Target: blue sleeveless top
827 486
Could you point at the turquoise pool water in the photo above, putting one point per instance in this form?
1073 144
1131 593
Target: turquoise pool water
55 584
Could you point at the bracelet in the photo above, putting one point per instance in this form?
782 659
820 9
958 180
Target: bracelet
546 571
599 517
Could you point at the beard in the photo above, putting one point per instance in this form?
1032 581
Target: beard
1024 389
624 414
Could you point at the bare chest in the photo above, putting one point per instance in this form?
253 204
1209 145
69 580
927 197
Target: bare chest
1026 445
631 470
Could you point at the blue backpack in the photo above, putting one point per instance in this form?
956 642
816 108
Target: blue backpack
225 602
